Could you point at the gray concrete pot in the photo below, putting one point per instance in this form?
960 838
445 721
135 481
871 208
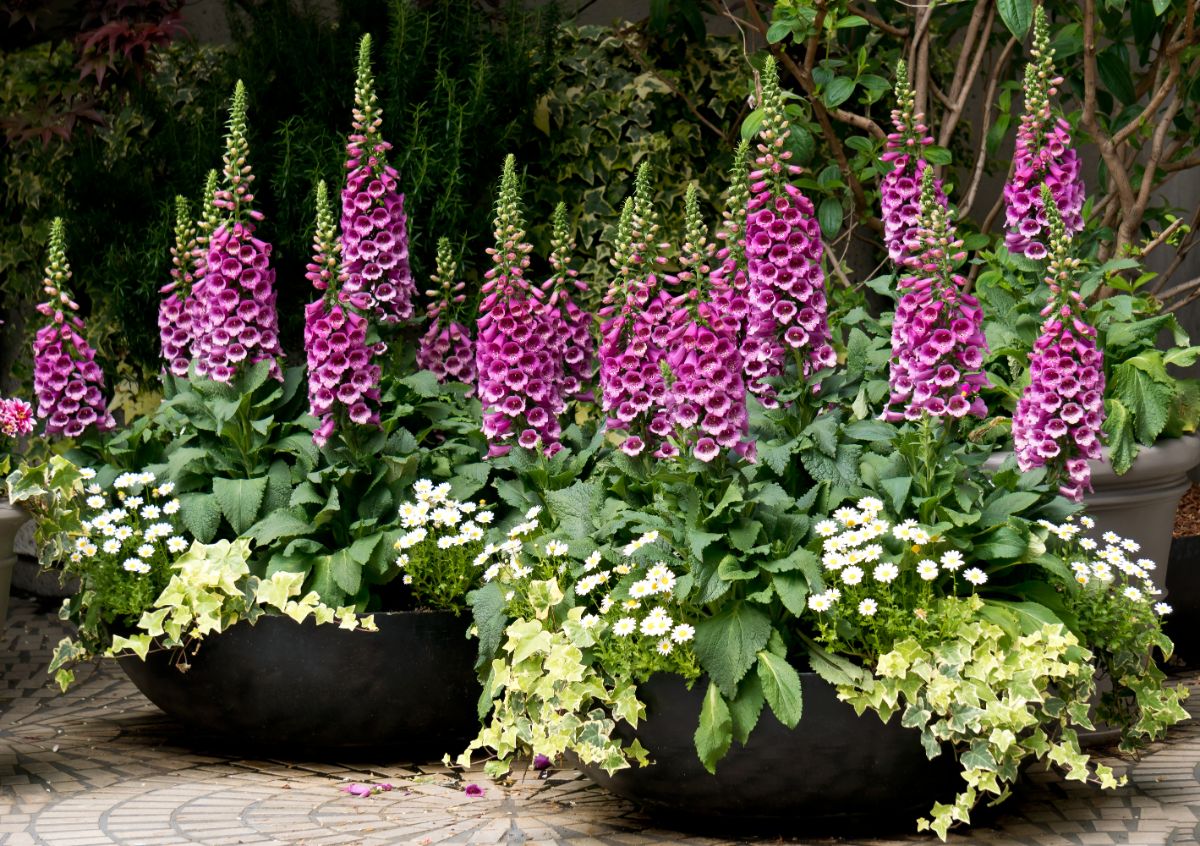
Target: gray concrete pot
11 519
1142 503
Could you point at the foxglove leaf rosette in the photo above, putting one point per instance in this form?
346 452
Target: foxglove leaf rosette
938 343
1059 416
788 310
238 323
176 335
900 190
706 394
636 330
374 225
518 375
67 382
571 326
446 348
1043 156
343 381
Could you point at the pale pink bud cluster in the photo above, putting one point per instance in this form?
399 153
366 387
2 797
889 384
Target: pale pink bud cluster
16 417
447 351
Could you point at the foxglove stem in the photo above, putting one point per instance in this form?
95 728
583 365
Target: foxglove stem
67 382
1059 417
374 225
938 343
783 249
519 378
446 348
1043 157
900 190
343 381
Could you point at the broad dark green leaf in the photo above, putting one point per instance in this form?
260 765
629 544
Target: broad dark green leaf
240 500
838 91
781 687
714 735
829 215
1017 15
726 644
201 515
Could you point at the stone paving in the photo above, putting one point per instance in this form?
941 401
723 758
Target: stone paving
101 765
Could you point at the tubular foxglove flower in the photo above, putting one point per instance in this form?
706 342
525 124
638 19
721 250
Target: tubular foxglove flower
446 349
1043 157
730 284
67 382
706 397
1059 416
571 326
238 324
783 252
374 226
635 331
209 220
343 382
518 375
937 335
174 311
900 190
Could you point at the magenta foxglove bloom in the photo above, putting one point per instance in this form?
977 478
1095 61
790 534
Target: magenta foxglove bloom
1043 157
343 380
1058 419
446 349
174 316
238 325
900 190
730 285
68 383
374 226
16 417
636 329
788 311
937 335
571 326
194 315
518 374
706 397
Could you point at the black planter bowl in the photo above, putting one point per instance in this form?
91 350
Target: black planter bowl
300 687
835 773
1183 593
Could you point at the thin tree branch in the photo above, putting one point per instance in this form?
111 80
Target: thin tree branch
989 98
950 120
878 22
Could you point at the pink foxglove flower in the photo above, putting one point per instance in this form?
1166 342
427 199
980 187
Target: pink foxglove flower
1058 418
16 417
1043 157
636 328
174 314
937 335
68 383
374 226
730 283
706 396
571 326
518 375
900 190
210 219
788 311
343 381
446 349
238 325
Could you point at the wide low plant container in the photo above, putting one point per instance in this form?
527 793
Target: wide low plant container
1183 587
835 772
11 520
297 687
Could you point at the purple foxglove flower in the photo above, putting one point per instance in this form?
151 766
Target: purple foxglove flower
1043 156
636 328
236 324
783 255
343 382
195 303
937 334
446 349
519 376
541 762
730 285
1058 418
374 226
67 382
571 326
706 395
174 315
473 790
900 190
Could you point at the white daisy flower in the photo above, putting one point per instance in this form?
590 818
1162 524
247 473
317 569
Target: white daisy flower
407 579
532 513
826 528
625 626
1111 537
111 546
133 502
95 502
819 602
136 565
145 550
1087 522
664 647
89 549
870 504
683 632
93 488
1162 609
165 489
885 572
975 576
1088 544
852 575
151 512
556 549
656 624
87 473
589 620
445 542
592 561
122 533
1132 594
952 559
868 607
484 517
927 570
171 507
1130 545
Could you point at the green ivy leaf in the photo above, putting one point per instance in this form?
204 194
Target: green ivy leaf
781 687
240 500
726 644
714 735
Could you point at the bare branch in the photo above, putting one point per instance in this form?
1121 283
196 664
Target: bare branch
989 97
878 22
950 120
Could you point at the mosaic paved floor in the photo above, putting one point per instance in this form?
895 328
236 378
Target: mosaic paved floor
101 765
